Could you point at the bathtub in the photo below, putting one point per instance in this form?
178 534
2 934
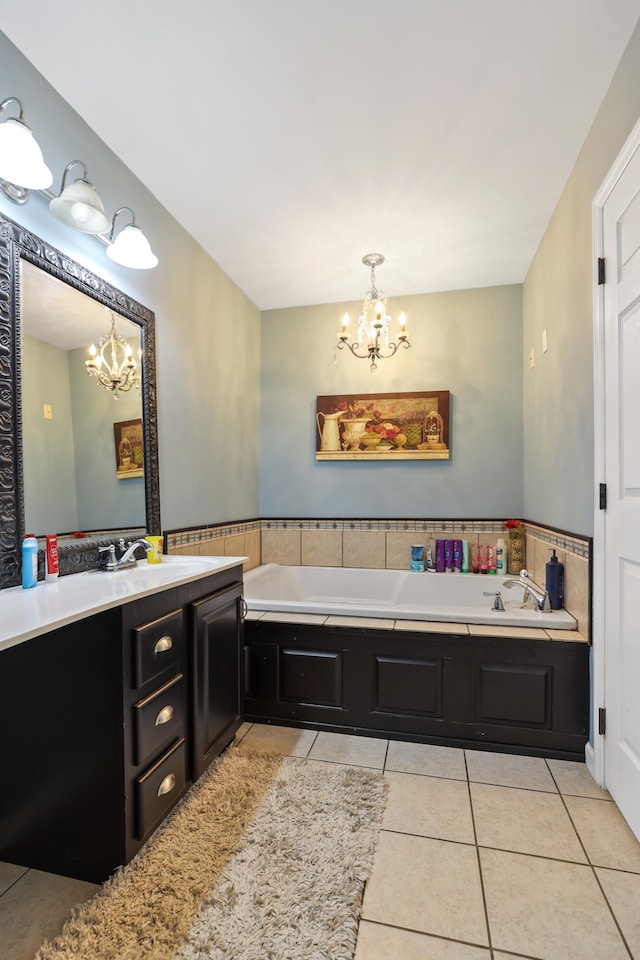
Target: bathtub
393 594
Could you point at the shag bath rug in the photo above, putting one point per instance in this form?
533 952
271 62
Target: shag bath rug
264 859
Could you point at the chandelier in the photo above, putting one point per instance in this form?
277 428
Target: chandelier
373 341
113 364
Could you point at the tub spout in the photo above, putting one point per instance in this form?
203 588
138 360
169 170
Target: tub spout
534 596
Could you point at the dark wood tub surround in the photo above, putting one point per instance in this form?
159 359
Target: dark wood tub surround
507 694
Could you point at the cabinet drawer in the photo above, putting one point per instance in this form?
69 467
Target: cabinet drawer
159 788
158 718
157 645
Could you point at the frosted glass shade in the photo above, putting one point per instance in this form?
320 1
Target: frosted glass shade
132 249
21 160
80 207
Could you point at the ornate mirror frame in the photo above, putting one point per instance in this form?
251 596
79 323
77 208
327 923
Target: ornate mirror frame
17 243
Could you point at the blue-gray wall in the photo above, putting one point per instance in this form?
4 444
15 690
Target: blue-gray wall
207 330
558 296
468 342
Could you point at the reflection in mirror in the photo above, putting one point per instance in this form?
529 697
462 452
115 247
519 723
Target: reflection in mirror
74 475
18 247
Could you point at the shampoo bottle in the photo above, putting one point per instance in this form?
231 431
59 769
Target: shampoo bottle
465 556
501 557
555 582
29 561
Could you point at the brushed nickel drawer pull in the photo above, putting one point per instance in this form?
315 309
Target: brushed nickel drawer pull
164 643
165 715
167 784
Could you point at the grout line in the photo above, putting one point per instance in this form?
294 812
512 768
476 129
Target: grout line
480 874
427 935
592 867
17 880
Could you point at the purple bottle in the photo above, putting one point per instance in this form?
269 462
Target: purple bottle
448 555
439 556
457 556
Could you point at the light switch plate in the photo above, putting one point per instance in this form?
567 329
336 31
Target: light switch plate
545 341
48 412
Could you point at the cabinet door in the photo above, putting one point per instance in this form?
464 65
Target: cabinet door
216 638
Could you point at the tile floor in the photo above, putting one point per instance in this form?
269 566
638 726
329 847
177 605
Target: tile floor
481 856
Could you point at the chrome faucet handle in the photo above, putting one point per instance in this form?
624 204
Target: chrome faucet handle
110 560
497 602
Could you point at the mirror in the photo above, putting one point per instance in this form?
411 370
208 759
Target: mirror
75 475
64 474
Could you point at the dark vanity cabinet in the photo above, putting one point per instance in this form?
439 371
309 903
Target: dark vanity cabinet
217 690
108 721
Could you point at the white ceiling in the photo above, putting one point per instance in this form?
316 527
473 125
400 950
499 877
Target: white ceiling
292 137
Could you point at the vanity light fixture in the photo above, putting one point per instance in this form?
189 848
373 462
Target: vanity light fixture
23 169
118 372
373 341
79 205
130 247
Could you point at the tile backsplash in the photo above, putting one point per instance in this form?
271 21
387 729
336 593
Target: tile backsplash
385 544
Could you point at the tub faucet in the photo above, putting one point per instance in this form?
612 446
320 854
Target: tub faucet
128 558
534 596
497 600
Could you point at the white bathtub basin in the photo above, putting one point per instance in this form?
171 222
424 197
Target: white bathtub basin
393 594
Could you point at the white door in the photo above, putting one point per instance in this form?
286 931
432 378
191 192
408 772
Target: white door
621 543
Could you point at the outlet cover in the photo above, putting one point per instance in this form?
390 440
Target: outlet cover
532 358
48 412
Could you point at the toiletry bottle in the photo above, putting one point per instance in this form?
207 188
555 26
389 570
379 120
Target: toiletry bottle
29 561
51 558
439 556
491 561
501 557
465 556
457 556
475 558
448 556
417 557
555 582
431 567
482 557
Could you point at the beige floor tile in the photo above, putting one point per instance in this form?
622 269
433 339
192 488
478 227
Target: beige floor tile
377 942
574 779
622 890
430 886
509 770
605 834
273 739
10 873
524 821
547 909
344 748
35 908
428 807
426 759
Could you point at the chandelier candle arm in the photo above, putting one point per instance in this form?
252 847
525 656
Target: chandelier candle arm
373 342
120 375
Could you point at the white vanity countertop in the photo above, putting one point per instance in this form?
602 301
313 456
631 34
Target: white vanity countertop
29 613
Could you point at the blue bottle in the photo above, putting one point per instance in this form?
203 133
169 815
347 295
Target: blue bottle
29 561
555 582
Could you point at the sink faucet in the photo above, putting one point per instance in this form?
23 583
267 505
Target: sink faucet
128 558
534 596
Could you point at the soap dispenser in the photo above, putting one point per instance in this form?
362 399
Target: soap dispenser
555 582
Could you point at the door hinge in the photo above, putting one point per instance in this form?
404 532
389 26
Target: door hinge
602 721
603 496
601 271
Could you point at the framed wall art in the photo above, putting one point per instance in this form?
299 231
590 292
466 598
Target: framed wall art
383 426
129 449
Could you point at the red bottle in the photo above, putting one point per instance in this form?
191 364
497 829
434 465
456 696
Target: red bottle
51 558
